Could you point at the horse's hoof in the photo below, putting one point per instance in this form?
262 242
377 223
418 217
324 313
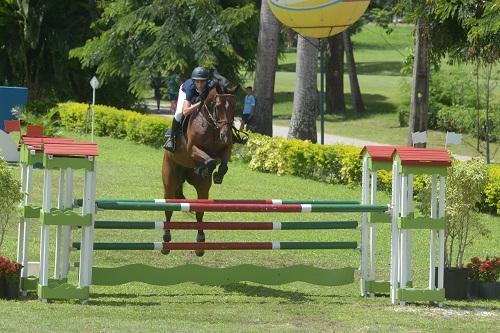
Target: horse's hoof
167 237
165 252
217 178
199 253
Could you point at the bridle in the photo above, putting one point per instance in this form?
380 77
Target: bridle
212 116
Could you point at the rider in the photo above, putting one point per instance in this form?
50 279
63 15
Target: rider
191 94
193 90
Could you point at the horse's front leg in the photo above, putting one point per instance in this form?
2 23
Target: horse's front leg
205 163
167 237
202 190
222 169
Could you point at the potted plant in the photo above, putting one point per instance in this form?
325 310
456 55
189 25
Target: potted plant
3 264
12 277
483 276
464 184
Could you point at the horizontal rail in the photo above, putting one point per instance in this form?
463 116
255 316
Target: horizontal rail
227 207
224 246
226 225
78 202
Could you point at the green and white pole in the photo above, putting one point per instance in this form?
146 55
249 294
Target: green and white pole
86 253
24 228
442 207
66 230
45 233
396 195
59 229
365 182
373 228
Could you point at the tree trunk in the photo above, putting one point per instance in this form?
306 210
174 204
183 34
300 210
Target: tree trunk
305 98
335 102
357 100
419 105
265 72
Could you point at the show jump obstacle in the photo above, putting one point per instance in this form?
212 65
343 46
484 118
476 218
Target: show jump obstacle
65 156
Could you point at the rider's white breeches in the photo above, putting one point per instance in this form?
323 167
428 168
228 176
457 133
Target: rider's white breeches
180 104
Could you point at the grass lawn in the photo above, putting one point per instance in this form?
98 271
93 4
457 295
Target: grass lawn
128 170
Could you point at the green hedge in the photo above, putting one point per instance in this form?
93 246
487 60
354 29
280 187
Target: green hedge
116 123
491 194
335 164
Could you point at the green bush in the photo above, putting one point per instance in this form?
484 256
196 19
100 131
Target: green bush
465 183
335 164
10 198
446 88
116 123
464 120
491 194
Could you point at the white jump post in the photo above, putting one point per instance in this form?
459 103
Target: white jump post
409 161
375 158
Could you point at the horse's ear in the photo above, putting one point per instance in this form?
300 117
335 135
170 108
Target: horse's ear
233 90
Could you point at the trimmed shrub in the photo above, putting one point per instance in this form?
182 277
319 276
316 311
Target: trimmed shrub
491 194
116 123
334 164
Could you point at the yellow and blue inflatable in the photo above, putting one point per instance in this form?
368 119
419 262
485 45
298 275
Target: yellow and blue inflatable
318 18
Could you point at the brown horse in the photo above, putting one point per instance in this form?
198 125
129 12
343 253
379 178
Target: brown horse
206 142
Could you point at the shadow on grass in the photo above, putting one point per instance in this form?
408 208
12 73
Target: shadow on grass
290 67
262 291
374 104
391 68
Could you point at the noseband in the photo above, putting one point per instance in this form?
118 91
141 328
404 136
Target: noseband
212 115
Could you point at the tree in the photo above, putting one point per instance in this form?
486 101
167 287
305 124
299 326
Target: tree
335 102
35 38
137 38
444 28
356 98
419 105
265 72
305 98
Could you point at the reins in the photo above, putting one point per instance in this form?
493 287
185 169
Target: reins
217 124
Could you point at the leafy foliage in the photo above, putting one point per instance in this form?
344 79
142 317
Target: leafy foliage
35 38
10 198
465 183
137 39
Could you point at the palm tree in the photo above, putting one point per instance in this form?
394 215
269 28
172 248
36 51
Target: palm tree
265 72
305 98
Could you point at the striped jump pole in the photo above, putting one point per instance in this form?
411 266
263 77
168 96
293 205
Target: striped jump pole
225 246
226 225
78 202
229 207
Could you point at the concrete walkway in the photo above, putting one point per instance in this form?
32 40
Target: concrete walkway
282 131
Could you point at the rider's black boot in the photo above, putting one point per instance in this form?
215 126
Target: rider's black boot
174 132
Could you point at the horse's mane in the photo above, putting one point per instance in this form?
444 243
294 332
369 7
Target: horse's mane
220 82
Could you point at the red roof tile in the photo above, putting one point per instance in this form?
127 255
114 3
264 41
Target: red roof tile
423 156
379 153
71 149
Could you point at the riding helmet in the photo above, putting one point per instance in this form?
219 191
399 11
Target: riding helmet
200 73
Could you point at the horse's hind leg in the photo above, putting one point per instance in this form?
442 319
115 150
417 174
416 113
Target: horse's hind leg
202 189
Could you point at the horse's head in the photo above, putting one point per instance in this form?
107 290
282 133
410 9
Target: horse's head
220 104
